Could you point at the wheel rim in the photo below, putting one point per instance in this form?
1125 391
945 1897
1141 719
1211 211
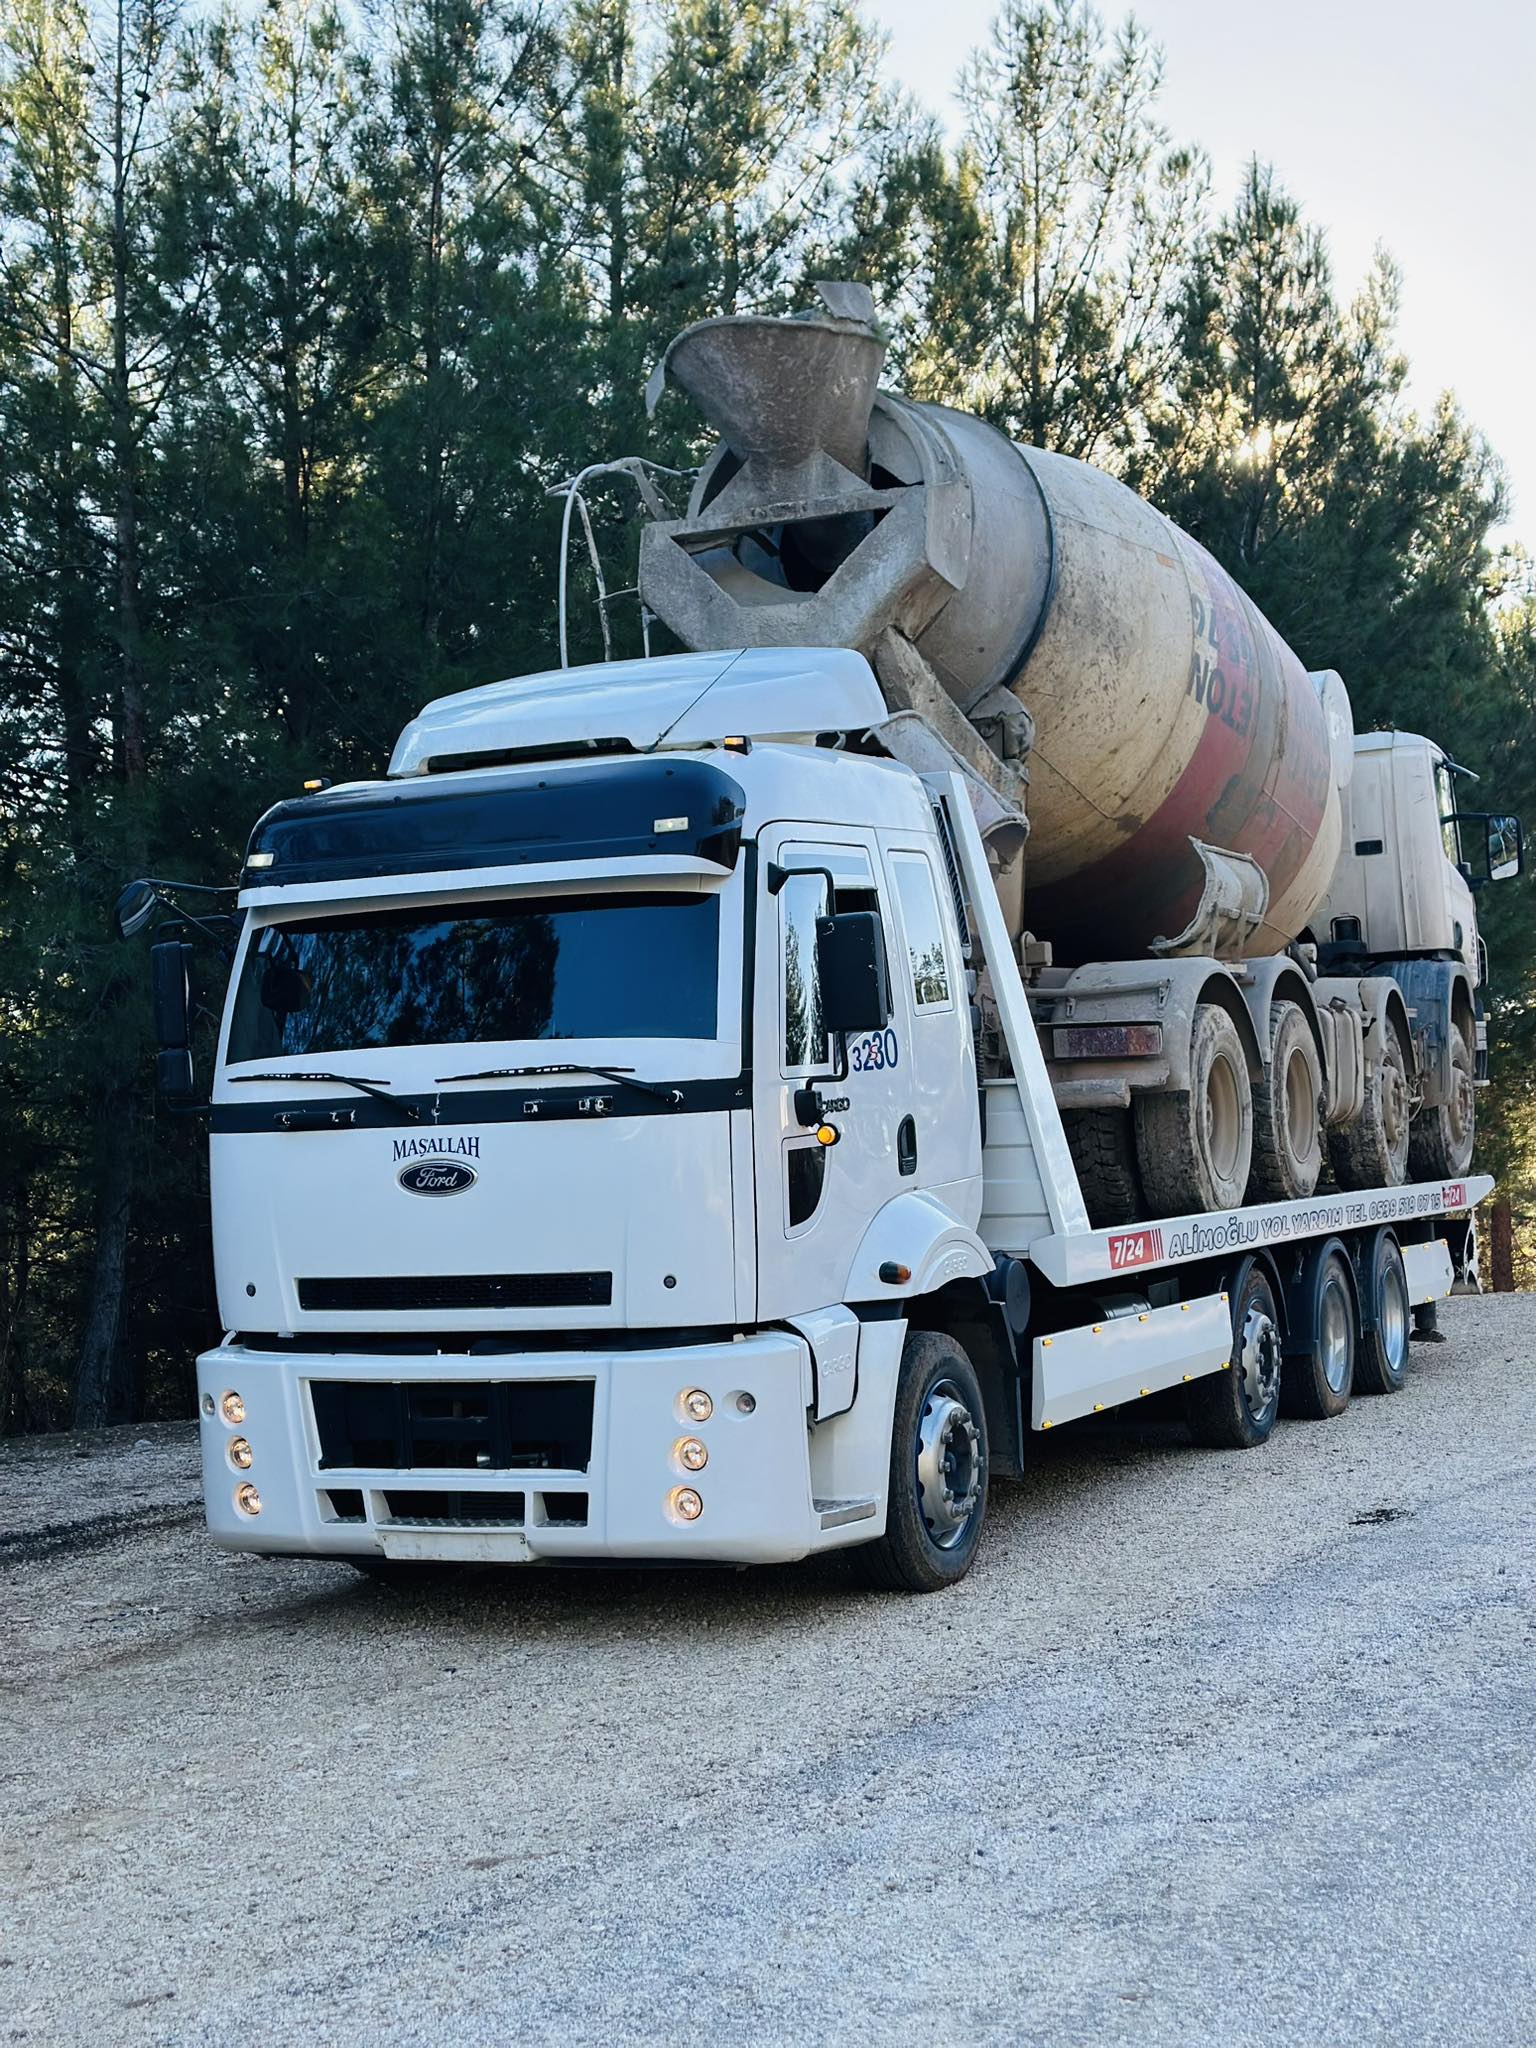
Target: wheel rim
1394 1109
1392 1320
1300 1108
1333 1336
1459 1110
1223 1118
948 1465
1259 1359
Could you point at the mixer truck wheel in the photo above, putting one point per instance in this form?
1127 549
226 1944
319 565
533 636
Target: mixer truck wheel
1287 1112
1195 1149
1104 1153
1372 1152
1440 1141
938 1490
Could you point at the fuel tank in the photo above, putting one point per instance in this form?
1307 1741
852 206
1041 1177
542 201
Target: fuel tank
1184 770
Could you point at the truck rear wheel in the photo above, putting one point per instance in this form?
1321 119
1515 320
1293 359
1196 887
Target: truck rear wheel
1235 1409
1381 1365
1318 1374
1372 1151
1195 1148
938 1487
1287 1112
1104 1152
1440 1141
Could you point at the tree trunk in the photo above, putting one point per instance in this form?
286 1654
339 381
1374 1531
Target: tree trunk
100 1391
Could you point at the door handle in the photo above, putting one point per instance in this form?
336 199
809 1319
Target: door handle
906 1145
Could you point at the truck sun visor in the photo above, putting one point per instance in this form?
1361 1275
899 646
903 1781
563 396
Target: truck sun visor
607 810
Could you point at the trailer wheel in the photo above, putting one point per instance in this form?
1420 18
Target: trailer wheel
1372 1151
939 1463
1287 1112
1382 1363
1104 1153
1235 1409
1318 1374
1440 1141
1195 1148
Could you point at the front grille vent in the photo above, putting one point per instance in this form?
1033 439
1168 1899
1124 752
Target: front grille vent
431 1291
446 1426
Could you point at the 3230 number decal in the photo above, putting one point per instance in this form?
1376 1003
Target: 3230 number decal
868 1055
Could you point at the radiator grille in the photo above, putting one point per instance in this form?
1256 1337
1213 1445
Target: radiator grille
447 1426
459 1290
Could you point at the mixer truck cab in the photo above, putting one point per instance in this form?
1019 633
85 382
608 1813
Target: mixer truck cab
1403 901
612 1159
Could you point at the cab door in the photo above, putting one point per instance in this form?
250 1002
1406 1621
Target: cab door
815 1201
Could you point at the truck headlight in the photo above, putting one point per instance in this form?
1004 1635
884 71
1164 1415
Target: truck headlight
240 1454
697 1405
247 1499
685 1504
232 1408
690 1454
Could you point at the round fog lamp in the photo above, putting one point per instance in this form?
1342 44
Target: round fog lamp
240 1453
691 1454
697 1405
686 1504
232 1408
247 1499
207 1404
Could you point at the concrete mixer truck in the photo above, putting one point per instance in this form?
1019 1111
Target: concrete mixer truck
717 1108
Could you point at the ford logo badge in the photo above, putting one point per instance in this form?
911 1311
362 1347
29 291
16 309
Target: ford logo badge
436 1177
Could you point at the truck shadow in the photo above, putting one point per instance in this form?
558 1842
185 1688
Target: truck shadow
1073 1473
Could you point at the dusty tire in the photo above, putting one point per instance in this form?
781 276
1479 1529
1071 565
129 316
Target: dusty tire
1195 1149
1288 1112
1381 1364
1104 1153
1441 1140
1237 1408
935 1512
1372 1152
1318 1374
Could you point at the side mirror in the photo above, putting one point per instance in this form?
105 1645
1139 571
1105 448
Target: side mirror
171 987
134 908
1506 849
850 962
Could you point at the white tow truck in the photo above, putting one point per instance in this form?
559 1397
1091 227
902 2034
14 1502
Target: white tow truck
602 1167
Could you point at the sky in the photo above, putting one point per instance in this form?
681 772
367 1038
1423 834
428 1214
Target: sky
1393 122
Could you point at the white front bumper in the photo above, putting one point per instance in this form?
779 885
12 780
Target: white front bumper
756 1487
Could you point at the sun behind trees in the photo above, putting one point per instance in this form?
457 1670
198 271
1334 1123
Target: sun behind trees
302 314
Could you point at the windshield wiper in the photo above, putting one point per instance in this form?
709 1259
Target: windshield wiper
625 1076
374 1088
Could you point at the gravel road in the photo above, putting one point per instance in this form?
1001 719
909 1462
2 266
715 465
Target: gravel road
1211 1747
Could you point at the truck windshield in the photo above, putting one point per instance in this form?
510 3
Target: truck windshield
605 967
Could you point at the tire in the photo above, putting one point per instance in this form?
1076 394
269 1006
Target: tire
1318 1374
1441 1140
1104 1153
934 1515
1237 1408
1381 1364
1288 1112
1372 1152
1195 1148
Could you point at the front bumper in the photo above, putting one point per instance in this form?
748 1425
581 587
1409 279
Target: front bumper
620 1503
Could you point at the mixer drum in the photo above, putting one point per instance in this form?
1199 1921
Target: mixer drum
1169 716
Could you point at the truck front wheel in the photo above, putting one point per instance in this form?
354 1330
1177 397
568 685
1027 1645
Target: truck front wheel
1440 1142
938 1485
